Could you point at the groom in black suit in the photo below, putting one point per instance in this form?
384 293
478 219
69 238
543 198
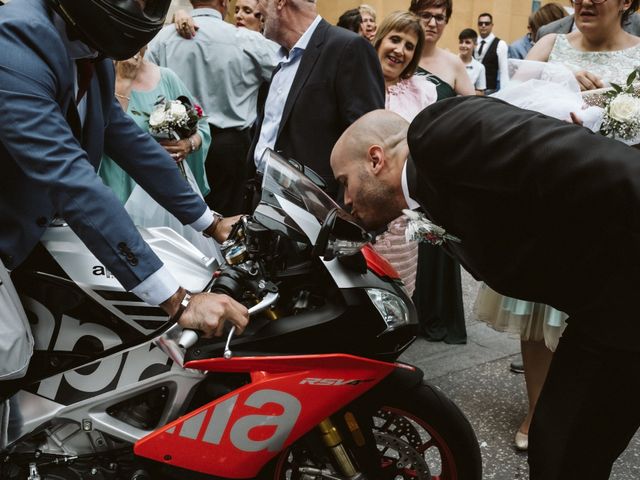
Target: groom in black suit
547 212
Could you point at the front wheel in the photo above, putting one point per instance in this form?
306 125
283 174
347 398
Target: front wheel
419 434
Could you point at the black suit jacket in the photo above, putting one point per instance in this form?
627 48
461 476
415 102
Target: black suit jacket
339 80
547 211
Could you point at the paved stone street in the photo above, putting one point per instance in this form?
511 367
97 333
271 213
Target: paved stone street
477 377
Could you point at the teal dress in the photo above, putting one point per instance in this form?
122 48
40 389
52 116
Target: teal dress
171 87
438 292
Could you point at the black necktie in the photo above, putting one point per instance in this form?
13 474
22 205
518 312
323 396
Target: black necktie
481 47
85 72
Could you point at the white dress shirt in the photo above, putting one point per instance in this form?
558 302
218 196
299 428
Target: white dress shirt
503 57
477 75
411 203
289 62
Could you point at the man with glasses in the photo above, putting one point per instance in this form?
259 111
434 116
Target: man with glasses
493 54
568 25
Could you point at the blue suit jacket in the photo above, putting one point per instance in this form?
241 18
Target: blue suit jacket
48 167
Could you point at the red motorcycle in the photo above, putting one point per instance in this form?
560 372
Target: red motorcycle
312 389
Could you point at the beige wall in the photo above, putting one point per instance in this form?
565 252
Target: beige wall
509 16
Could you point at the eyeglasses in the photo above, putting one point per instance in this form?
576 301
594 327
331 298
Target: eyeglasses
486 24
426 18
579 2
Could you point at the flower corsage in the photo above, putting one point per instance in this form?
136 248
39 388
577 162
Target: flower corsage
420 228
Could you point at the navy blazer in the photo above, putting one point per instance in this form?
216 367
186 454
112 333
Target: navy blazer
339 80
48 167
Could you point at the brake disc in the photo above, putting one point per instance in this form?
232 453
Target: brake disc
402 427
408 462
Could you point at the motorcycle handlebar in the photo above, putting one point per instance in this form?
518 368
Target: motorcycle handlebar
190 337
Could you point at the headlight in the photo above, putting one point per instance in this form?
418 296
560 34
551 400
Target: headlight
392 308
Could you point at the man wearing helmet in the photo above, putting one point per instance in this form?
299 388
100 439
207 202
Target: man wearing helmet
57 90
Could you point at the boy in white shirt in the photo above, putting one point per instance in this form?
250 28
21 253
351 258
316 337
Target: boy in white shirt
476 71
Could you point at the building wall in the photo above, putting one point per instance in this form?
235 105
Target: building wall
509 16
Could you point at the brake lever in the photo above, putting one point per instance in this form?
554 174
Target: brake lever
189 337
267 301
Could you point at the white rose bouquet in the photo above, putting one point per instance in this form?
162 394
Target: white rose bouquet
622 112
173 120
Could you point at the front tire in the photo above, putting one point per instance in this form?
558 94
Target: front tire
420 435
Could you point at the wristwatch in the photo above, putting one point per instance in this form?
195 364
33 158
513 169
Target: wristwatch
217 218
182 307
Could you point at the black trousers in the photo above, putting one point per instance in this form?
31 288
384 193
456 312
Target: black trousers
226 167
588 411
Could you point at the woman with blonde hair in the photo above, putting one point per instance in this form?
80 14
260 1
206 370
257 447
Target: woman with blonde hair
368 26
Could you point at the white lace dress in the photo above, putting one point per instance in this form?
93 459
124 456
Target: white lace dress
611 67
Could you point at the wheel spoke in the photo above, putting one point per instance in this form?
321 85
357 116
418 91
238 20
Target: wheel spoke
427 445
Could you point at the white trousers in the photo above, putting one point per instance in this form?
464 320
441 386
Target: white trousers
16 341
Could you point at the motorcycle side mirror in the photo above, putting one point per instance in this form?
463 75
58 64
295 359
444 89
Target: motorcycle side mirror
309 173
339 236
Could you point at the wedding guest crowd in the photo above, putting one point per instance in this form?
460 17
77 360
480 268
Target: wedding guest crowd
224 67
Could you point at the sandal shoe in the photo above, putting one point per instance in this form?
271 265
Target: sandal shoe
521 441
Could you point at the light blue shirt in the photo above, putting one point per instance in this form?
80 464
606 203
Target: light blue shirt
279 91
223 66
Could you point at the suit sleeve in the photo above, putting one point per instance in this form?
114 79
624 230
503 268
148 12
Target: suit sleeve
360 84
39 140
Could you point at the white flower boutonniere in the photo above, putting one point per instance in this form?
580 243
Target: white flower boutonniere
420 228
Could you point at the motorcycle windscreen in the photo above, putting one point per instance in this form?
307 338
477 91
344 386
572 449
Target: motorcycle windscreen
298 201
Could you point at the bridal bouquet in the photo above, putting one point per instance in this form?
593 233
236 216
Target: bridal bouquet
621 118
174 119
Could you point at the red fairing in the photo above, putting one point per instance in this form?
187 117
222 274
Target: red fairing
236 435
378 264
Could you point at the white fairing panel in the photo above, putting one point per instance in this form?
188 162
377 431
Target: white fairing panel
187 264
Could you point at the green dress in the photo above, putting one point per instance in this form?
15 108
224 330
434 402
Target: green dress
171 87
443 89
438 291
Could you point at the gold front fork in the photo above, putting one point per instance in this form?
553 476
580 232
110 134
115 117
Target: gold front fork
332 439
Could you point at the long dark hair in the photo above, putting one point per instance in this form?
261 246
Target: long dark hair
629 11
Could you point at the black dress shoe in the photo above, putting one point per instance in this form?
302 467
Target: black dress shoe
517 367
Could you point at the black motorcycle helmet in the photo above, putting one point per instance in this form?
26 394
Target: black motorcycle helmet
116 28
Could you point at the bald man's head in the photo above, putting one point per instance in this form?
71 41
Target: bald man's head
368 160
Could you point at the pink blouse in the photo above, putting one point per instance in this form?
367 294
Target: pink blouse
410 96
